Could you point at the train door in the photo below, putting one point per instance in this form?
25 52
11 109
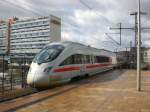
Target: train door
70 67
92 69
83 65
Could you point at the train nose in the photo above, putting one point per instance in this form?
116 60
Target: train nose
38 80
30 79
41 81
38 77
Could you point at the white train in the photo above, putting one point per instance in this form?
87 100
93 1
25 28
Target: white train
60 62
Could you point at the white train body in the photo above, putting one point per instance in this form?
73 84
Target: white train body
60 62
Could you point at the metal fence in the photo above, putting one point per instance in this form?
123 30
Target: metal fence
13 72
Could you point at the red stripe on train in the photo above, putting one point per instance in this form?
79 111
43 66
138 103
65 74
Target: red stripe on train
97 65
66 69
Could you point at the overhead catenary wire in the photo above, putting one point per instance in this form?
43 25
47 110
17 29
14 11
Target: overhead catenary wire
38 14
19 7
75 27
91 8
112 39
34 12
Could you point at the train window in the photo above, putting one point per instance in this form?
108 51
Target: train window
95 59
48 54
102 59
78 59
92 59
74 59
88 59
68 61
84 61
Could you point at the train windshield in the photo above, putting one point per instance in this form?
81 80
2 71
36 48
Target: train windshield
48 54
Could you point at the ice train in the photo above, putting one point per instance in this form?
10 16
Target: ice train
61 61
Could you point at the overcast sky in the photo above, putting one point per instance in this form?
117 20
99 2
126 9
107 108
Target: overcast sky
85 21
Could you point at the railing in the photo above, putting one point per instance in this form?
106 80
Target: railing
13 73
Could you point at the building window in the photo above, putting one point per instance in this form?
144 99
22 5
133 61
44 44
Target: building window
145 53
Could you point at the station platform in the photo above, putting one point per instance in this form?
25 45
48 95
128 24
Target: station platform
112 91
15 93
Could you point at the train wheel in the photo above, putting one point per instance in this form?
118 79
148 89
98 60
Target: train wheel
86 75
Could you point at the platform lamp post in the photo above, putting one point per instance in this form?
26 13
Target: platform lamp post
139 49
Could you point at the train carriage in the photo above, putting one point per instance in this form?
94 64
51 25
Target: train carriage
60 62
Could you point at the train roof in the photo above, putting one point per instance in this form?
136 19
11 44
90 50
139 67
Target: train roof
66 43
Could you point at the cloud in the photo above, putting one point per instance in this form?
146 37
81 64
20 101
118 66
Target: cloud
82 24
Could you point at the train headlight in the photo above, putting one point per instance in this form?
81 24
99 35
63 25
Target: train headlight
47 70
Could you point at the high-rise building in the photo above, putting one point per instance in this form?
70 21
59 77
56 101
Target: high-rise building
3 37
31 35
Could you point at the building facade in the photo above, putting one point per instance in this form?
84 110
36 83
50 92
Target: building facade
130 57
3 37
147 56
31 35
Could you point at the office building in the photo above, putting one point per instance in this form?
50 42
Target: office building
28 36
3 37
